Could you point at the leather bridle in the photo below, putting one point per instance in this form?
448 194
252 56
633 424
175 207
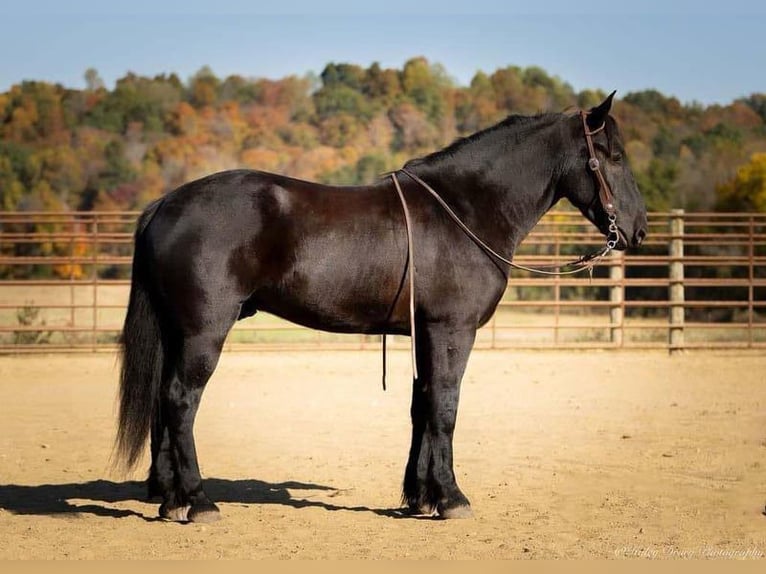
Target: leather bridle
604 191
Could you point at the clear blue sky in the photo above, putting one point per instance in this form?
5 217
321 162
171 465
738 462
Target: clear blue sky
711 53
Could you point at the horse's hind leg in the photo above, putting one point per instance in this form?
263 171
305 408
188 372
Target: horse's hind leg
186 492
199 353
430 478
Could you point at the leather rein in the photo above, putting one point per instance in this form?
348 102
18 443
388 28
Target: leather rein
586 262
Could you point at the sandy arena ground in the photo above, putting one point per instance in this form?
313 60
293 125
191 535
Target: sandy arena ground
564 455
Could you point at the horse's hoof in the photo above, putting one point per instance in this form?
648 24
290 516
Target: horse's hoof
461 511
178 514
204 513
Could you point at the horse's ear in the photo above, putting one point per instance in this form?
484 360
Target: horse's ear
597 114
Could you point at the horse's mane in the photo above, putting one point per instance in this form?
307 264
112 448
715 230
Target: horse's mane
516 124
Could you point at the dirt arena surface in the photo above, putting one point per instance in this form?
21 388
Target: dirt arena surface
563 455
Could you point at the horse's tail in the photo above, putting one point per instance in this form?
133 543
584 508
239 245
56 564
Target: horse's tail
142 355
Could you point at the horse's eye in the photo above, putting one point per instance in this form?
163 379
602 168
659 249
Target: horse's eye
617 157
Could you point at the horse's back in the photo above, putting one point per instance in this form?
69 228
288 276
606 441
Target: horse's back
305 251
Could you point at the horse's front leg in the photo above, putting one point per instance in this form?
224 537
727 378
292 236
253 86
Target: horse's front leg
429 481
416 493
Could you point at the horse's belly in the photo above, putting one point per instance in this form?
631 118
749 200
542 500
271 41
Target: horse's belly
368 320
335 308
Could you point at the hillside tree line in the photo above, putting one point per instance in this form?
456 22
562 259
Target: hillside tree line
115 149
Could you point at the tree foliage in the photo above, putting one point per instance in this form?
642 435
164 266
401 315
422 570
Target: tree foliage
746 191
119 148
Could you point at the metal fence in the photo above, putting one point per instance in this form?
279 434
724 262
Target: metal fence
698 282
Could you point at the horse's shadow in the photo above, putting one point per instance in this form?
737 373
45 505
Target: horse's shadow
88 497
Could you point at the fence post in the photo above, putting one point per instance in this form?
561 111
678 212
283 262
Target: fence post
94 333
556 292
72 300
616 298
676 282
751 282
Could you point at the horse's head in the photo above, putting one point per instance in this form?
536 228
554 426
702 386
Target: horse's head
598 181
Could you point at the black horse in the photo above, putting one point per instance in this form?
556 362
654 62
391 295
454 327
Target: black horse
336 258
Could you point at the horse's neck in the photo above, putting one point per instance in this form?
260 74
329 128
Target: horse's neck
499 194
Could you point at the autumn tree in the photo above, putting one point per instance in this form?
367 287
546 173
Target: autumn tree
341 93
137 99
747 190
120 147
203 87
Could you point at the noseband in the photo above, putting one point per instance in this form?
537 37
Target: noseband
586 262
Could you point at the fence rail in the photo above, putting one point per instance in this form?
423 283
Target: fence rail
698 282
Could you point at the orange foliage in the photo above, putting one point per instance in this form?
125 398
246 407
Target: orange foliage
120 148
76 248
